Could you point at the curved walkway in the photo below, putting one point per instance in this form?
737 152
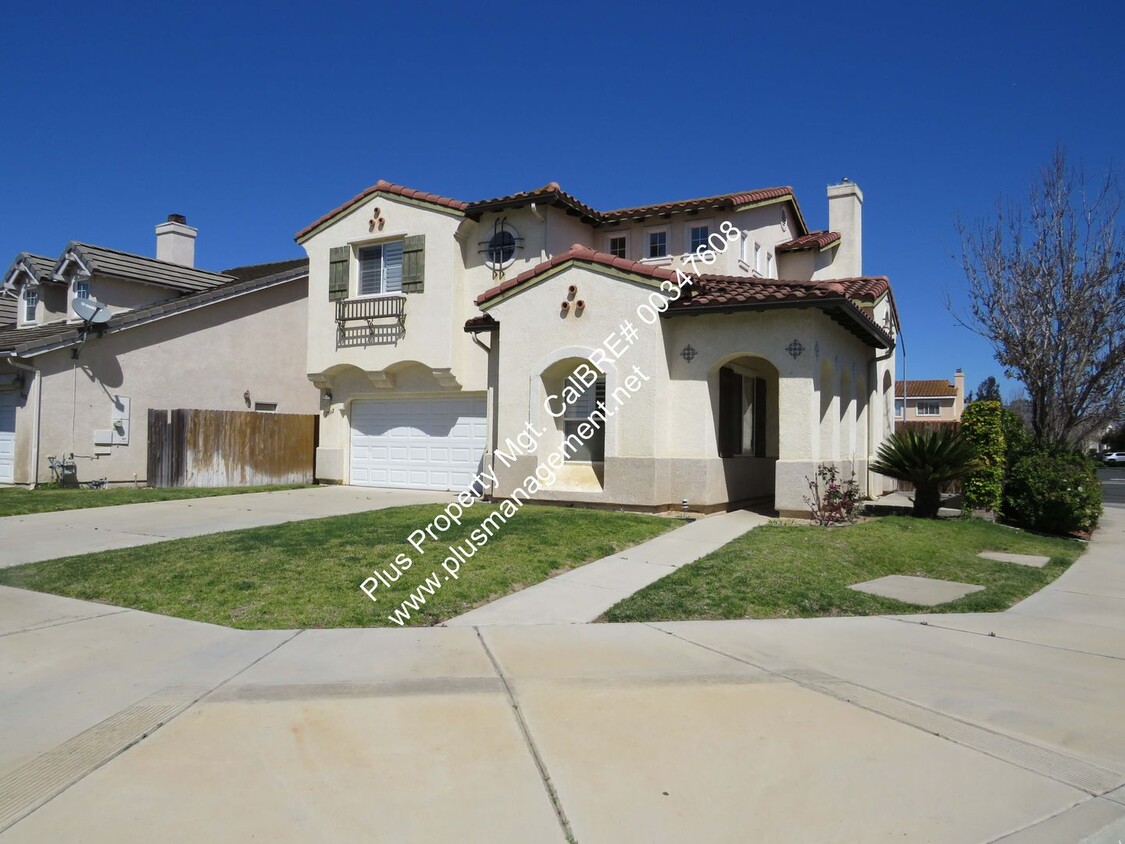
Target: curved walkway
119 726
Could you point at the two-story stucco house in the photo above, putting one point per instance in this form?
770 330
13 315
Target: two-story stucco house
931 400
177 337
488 344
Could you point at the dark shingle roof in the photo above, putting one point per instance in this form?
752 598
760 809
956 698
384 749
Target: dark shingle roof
937 388
9 310
27 342
39 266
251 271
124 265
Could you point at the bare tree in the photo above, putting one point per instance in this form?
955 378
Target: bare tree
1046 286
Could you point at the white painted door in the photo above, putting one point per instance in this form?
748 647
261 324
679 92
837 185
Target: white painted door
417 443
8 399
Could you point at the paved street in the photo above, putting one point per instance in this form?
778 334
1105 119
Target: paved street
120 726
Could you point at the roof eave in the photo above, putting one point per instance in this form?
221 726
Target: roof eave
840 309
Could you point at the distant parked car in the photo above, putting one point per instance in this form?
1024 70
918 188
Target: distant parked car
1114 458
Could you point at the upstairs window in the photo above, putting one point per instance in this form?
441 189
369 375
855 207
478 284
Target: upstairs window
929 408
759 257
82 289
698 237
618 245
899 406
30 303
657 244
380 269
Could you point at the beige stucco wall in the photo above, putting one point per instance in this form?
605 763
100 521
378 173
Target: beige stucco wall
652 463
661 446
205 359
947 407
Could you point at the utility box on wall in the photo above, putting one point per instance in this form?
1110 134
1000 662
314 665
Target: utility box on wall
118 431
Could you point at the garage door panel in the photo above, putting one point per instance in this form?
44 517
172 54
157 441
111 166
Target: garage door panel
418 443
8 401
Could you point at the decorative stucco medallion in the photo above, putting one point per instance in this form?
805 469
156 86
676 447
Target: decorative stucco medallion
688 353
795 348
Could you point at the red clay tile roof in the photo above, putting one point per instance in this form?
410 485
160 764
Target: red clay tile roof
714 292
553 194
939 388
550 194
725 200
585 254
812 240
383 186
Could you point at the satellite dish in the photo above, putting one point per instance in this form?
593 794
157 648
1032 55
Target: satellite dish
90 312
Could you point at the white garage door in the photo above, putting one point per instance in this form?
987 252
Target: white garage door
7 435
417 443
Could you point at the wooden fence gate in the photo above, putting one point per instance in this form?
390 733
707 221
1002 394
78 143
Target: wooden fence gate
219 448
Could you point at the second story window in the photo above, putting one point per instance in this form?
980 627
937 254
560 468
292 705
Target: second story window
657 244
82 289
929 408
698 237
899 405
30 303
618 246
759 258
380 269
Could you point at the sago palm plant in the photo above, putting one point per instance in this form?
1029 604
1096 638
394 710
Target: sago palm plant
928 460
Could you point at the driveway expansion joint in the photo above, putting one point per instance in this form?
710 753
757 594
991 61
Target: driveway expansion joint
525 730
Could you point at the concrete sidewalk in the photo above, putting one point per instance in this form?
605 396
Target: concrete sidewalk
120 726
48 536
582 594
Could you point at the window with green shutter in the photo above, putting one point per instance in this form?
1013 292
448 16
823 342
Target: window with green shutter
414 263
339 262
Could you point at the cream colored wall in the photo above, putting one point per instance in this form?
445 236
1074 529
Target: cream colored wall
947 410
204 359
121 296
662 447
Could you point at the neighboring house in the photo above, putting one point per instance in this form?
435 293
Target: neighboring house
930 401
178 337
439 330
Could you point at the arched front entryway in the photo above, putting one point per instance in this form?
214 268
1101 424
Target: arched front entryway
574 392
747 429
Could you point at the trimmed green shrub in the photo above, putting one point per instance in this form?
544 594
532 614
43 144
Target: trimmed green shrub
928 460
981 426
1053 492
1017 439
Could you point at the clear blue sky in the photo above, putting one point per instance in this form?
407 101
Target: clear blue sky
254 119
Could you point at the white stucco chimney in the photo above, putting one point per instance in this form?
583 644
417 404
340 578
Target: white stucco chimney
175 241
845 215
959 388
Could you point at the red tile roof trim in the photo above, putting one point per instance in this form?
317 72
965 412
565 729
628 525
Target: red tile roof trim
724 200
383 186
585 254
812 240
939 388
554 194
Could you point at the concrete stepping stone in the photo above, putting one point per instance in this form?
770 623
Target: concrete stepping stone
924 591
1018 559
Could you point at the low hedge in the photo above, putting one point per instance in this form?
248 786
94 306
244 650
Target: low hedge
982 426
1053 492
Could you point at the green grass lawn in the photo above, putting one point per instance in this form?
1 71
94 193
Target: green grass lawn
783 571
17 501
307 574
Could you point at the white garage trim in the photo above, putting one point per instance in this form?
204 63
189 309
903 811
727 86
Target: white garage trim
8 401
417 443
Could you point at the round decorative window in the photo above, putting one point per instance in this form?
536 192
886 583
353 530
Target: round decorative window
500 249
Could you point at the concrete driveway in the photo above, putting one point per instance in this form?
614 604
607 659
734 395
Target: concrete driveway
47 536
119 726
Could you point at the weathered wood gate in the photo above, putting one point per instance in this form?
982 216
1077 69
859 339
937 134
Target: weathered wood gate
217 448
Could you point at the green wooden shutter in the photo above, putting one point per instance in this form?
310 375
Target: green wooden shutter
414 263
730 412
760 417
339 262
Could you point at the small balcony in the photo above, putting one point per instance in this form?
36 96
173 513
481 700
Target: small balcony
370 321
